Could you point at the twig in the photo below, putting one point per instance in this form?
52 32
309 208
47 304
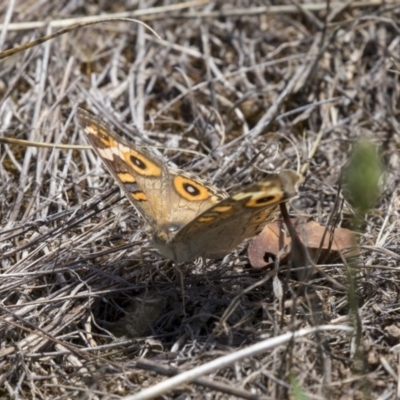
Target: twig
229 359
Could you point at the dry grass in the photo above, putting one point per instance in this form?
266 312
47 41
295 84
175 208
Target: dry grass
86 309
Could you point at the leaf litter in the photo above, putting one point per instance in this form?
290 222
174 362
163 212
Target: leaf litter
226 82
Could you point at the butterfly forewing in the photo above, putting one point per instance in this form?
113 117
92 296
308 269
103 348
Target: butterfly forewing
138 173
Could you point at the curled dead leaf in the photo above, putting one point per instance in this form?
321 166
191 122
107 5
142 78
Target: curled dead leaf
315 237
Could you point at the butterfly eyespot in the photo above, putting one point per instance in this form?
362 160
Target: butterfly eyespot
139 163
190 189
262 201
265 199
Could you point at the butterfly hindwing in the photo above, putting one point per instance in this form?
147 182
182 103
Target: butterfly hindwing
225 225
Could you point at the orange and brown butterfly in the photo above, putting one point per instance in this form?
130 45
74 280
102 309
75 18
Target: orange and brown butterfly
188 217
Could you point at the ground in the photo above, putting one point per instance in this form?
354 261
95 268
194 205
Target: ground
230 92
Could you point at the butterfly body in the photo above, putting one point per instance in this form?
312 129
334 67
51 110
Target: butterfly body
188 217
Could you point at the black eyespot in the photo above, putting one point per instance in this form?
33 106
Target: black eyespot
139 163
192 190
265 199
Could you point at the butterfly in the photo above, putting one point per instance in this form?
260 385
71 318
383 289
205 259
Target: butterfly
188 217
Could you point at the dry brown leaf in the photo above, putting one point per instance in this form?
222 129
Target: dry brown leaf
274 238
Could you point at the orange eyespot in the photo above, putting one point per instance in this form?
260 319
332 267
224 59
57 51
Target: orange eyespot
190 190
263 201
138 162
141 164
